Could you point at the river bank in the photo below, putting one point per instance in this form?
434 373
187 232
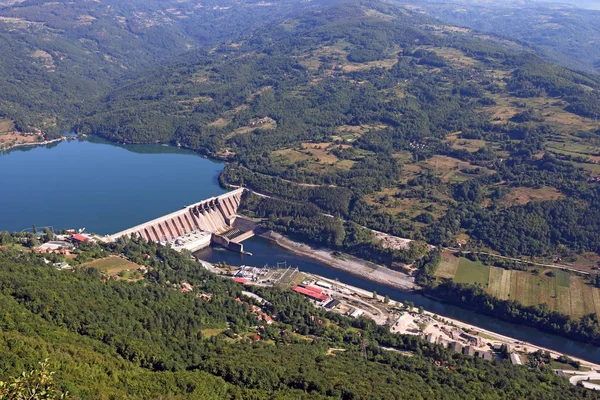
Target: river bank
489 336
352 265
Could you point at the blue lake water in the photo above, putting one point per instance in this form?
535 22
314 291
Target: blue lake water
99 185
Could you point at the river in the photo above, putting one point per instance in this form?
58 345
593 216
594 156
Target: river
106 188
100 185
267 252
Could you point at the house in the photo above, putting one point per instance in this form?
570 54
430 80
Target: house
469 351
332 304
264 317
455 346
254 308
62 265
207 297
515 359
55 246
486 355
431 338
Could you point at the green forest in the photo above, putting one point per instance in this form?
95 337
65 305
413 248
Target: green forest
117 339
276 106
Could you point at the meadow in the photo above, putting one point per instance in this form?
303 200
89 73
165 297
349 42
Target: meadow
566 292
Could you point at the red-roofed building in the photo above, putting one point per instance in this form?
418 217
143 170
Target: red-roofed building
314 289
310 293
80 238
243 281
264 317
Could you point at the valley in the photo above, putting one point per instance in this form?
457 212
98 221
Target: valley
365 134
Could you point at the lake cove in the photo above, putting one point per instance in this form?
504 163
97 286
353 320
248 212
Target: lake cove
99 185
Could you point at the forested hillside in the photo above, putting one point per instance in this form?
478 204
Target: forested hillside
118 339
563 33
390 120
59 57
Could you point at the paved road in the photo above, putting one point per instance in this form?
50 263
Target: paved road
583 378
557 266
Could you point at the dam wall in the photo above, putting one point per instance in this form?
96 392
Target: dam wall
190 226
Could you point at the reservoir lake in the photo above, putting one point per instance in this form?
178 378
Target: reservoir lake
99 185
107 188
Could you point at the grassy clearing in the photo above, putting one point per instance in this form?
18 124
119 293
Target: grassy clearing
496 282
558 365
448 266
210 332
563 278
314 157
450 169
6 126
391 201
593 168
524 195
263 124
320 151
471 145
220 122
575 148
455 56
349 133
563 300
596 300
387 63
472 272
112 265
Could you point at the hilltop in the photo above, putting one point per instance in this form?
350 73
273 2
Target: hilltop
60 57
564 33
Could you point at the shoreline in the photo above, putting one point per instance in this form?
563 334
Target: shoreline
352 265
45 142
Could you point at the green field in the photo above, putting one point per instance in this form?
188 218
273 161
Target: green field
564 292
472 272
113 265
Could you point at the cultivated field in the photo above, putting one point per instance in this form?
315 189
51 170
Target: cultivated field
560 290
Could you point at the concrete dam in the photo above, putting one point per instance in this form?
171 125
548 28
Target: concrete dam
196 226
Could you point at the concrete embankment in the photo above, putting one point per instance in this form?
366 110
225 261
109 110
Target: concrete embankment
347 263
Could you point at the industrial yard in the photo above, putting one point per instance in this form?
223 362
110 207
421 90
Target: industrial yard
398 317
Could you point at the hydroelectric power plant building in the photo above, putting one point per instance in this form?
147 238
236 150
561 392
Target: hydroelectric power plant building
196 226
